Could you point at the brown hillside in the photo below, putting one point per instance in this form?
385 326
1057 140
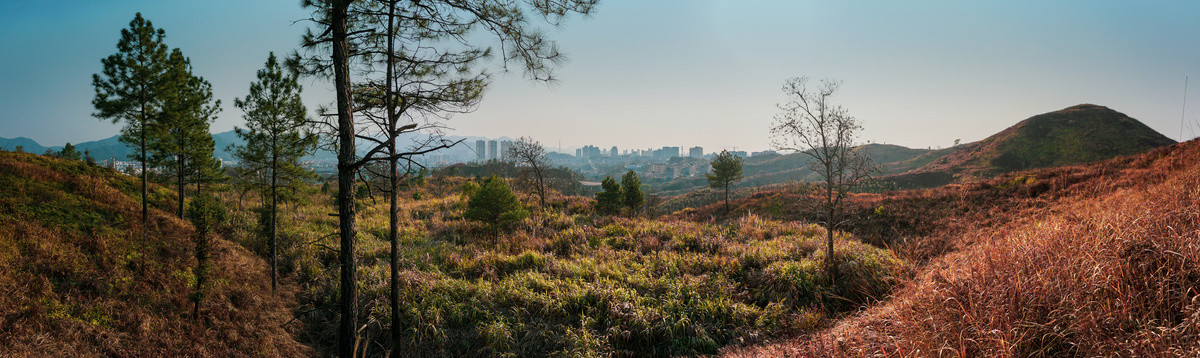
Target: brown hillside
1092 260
78 279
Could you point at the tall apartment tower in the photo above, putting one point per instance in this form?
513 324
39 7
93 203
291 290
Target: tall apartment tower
480 151
696 152
504 149
492 153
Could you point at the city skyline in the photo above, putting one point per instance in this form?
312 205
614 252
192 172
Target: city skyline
708 74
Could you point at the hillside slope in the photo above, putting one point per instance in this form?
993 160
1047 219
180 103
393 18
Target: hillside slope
1106 263
78 278
1078 134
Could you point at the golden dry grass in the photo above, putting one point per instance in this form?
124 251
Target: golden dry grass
1110 267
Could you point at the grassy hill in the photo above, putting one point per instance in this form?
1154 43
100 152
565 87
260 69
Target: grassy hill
1097 259
1074 135
79 279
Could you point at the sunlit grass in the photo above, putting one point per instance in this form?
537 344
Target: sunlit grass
566 282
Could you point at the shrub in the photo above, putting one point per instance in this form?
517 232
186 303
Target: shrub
495 204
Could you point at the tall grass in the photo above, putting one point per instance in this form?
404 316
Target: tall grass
567 283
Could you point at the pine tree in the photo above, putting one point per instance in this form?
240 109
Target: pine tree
205 213
608 202
278 134
130 87
632 188
180 143
494 204
726 169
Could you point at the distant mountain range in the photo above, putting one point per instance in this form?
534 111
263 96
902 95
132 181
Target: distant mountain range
112 148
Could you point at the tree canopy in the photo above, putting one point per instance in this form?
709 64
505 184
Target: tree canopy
494 204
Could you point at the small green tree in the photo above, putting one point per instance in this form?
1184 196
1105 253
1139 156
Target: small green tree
69 152
632 186
726 169
495 204
608 202
205 213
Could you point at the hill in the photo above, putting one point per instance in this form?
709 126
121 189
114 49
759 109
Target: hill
28 145
1088 260
79 279
1078 134
780 169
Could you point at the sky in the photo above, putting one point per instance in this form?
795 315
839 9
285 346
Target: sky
652 73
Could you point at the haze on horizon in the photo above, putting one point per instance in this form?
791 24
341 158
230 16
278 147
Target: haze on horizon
680 72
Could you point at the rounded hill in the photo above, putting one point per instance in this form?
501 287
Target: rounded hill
1078 134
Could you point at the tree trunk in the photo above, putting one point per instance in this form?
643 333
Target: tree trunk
393 237
145 216
726 198
393 122
179 181
274 215
346 169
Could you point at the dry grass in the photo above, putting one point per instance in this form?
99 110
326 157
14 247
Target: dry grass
78 278
1108 266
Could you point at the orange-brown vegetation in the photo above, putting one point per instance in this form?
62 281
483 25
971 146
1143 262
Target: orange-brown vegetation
1091 260
77 278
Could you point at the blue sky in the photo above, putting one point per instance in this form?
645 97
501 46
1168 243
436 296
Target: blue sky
649 73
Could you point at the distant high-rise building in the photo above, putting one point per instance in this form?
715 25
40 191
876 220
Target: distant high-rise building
666 152
739 153
696 152
588 151
492 154
504 149
480 150
614 151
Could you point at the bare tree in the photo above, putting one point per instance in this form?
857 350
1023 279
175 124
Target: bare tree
528 152
808 122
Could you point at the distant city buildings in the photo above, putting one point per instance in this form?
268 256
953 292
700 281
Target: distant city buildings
614 151
666 152
588 151
696 152
739 153
504 149
766 153
492 154
480 150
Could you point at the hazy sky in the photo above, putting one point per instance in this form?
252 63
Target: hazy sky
649 73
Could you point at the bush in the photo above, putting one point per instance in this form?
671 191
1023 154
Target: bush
495 204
